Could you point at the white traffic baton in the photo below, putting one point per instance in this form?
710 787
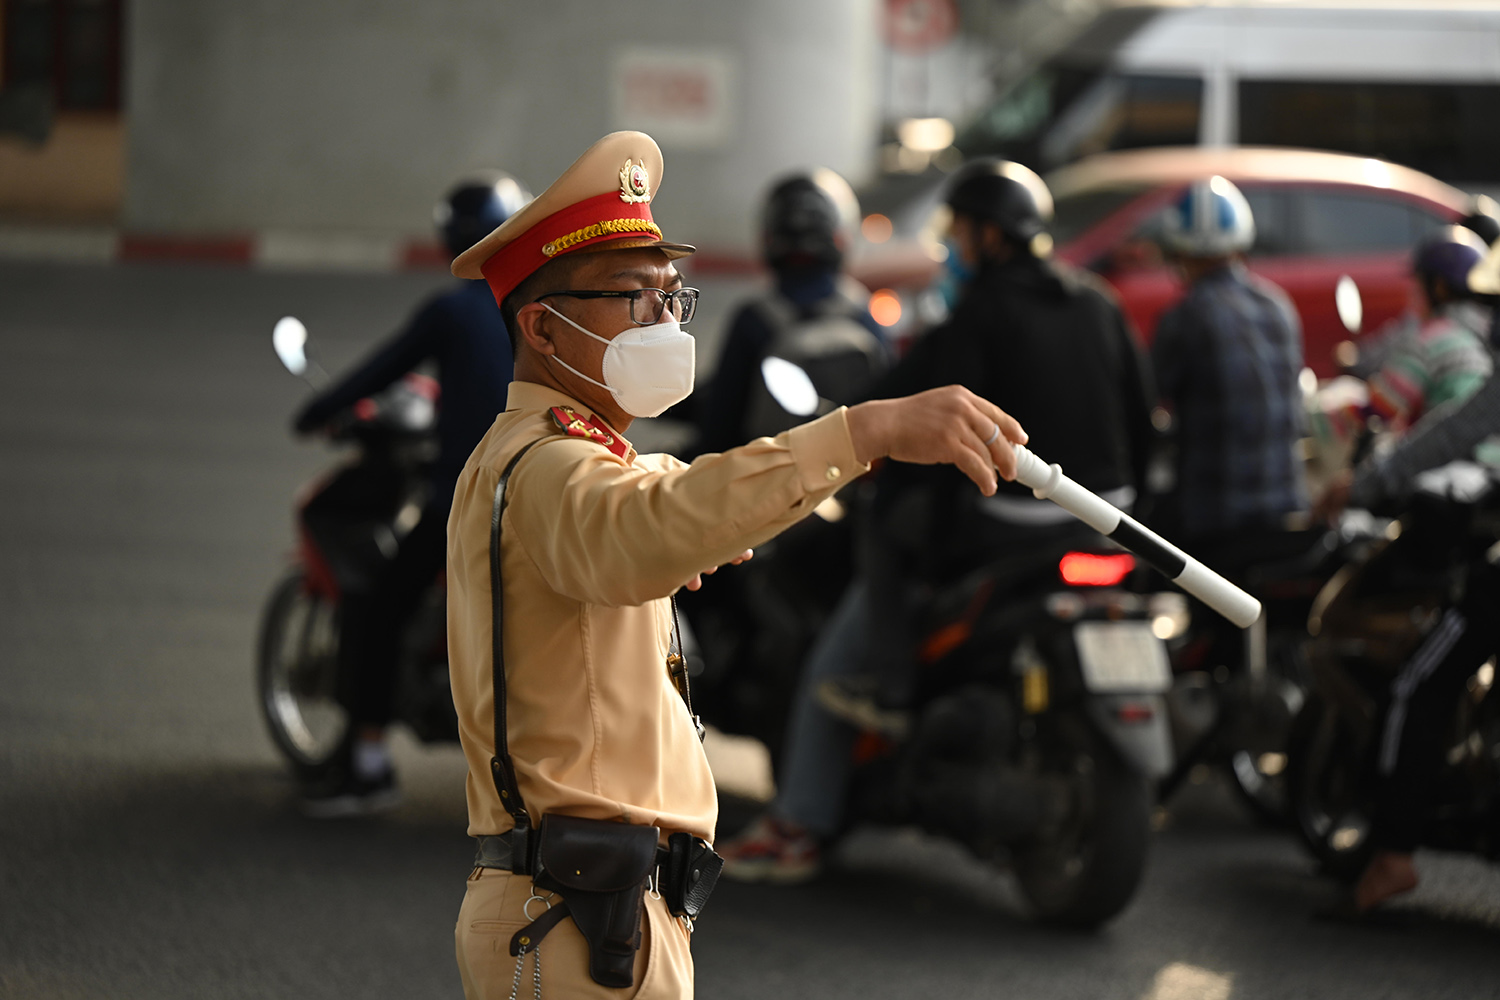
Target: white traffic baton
1047 482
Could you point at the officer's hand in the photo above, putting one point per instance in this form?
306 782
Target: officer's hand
697 582
948 425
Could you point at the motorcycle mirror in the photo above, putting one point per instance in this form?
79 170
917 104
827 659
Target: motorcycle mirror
289 337
790 386
1350 304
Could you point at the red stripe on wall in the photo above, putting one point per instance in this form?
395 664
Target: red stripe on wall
211 249
424 255
714 262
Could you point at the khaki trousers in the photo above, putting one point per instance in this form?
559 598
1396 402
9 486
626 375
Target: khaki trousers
493 910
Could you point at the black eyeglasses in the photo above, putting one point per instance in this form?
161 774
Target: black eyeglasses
646 304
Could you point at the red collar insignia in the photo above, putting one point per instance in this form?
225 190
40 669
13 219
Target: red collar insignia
575 424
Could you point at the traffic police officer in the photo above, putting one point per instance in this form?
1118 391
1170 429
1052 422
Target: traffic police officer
595 538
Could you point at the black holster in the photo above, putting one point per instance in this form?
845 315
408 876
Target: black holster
600 868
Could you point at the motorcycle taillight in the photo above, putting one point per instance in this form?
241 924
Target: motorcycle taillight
1087 569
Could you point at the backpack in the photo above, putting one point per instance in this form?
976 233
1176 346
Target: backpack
838 352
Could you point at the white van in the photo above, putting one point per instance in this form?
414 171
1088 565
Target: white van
1415 83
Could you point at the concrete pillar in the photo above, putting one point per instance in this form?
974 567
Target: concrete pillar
353 116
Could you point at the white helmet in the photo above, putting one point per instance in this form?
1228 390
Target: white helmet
1211 219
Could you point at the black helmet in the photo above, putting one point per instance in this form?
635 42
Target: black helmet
1007 194
475 207
808 219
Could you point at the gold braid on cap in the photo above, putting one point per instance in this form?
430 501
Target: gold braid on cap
606 228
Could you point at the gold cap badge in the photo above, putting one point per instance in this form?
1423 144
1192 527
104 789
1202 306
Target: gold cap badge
635 183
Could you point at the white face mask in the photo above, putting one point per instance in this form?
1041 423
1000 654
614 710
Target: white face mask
646 368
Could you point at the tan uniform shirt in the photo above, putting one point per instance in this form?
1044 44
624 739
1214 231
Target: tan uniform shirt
593 544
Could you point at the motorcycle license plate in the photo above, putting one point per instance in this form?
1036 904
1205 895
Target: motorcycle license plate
1122 656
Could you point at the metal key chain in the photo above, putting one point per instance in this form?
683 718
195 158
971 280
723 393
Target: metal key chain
536 952
536 971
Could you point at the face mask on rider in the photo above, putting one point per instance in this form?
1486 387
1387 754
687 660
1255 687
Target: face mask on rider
955 275
646 368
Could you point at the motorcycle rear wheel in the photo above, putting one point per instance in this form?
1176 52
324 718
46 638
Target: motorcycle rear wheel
1089 870
1327 793
297 675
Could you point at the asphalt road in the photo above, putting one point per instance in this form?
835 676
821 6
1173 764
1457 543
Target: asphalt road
149 841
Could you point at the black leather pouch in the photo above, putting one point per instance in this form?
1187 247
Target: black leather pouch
692 871
600 868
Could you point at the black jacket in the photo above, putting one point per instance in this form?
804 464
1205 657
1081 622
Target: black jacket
462 332
1048 345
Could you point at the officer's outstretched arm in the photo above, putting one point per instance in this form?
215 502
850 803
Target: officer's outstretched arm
603 532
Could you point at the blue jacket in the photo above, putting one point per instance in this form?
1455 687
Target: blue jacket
462 332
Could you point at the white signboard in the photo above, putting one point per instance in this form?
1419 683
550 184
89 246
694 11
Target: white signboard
680 97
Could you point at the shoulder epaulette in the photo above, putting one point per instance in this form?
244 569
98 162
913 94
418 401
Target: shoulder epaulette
575 424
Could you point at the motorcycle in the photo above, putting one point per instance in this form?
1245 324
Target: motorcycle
1039 724
1366 624
1232 708
349 521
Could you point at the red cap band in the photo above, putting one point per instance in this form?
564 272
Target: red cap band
592 221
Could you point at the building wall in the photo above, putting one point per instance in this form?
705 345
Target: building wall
353 116
76 176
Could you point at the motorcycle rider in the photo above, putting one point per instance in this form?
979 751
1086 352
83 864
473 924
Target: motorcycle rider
1414 728
1055 347
1227 357
1443 358
461 331
1372 352
806 227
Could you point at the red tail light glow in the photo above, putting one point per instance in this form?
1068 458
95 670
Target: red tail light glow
1085 569
1132 712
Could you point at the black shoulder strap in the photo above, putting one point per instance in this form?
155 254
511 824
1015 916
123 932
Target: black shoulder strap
501 769
500 766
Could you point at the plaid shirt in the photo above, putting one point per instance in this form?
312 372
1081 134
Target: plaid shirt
1227 359
1443 436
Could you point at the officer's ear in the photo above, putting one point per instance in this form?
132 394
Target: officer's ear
531 327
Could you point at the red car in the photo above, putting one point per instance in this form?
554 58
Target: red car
1318 216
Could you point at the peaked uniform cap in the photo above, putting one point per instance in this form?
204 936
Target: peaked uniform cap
602 202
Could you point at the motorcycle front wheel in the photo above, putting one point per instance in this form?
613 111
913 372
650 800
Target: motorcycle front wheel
1088 868
297 675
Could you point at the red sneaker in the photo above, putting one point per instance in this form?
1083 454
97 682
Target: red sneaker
771 850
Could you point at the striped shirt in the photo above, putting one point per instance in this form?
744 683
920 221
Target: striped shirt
1227 359
1447 435
1445 362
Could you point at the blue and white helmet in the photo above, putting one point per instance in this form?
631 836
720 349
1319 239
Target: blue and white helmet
1211 219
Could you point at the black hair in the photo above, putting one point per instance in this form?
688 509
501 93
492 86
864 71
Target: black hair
553 276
